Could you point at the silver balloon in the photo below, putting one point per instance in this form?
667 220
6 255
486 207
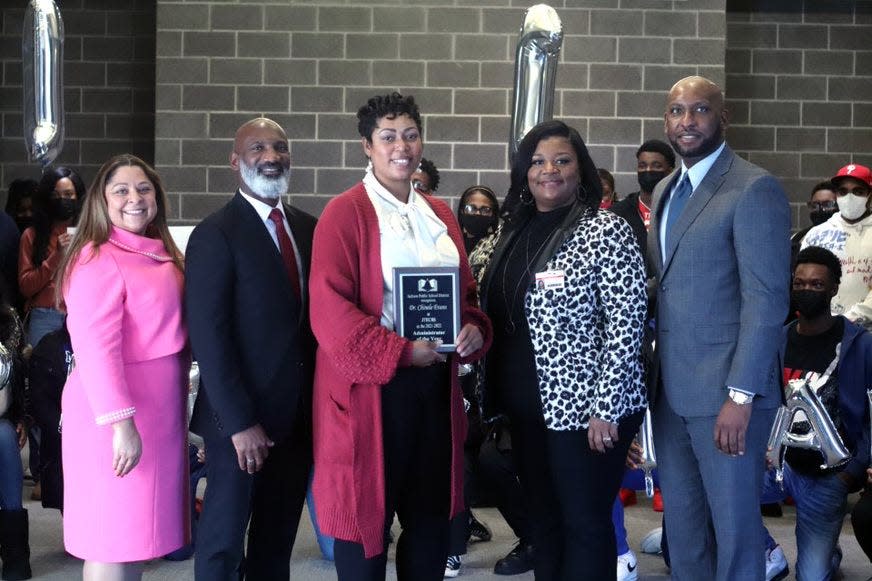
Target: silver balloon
535 71
649 458
5 366
869 395
193 386
193 390
43 58
822 437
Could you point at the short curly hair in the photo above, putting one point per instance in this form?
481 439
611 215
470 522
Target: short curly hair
429 168
822 256
657 146
390 106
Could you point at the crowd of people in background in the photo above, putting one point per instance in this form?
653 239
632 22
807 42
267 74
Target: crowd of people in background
580 309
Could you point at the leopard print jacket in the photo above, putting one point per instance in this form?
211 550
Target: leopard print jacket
587 335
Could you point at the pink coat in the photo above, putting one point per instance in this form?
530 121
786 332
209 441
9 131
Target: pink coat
124 301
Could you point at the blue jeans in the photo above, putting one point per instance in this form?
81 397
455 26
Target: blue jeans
820 510
11 474
41 322
325 543
634 480
620 529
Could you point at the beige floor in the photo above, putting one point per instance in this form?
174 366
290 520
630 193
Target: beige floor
51 563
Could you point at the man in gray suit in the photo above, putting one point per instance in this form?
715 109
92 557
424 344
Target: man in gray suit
720 241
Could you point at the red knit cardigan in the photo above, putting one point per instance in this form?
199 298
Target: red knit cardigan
356 356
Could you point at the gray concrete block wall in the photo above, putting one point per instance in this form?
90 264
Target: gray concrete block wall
172 80
317 62
109 83
799 75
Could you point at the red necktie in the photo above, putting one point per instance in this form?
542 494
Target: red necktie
287 250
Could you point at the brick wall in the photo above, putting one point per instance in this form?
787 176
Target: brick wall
799 87
310 65
798 77
108 80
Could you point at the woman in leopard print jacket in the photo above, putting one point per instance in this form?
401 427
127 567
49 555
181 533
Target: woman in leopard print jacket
564 285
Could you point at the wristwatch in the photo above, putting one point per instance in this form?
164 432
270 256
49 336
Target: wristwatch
740 397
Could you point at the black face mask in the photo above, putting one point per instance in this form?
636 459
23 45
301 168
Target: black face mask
809 303
476 226
649 179
63 208
818 217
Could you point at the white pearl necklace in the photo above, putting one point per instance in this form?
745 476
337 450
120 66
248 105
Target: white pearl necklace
152 255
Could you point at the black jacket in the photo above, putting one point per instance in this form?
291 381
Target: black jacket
249 332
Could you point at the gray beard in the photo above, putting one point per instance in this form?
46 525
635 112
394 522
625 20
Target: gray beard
265 187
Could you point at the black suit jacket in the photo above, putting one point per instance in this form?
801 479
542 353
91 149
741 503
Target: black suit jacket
628 209
249 332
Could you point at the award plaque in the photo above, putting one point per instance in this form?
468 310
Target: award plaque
427 304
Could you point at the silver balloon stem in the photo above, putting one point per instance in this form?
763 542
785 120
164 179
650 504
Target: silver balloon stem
536 56
649 484
42 54
869 395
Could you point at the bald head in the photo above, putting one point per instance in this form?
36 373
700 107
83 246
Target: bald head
255 125
262 160
695 118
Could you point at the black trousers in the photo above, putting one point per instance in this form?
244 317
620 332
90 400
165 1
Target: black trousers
417 445
586 483
570 491
271 499
499 474
861 520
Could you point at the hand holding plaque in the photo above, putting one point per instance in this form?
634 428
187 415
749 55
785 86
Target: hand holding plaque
427 305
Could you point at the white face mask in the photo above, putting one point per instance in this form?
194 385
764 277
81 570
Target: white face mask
851 206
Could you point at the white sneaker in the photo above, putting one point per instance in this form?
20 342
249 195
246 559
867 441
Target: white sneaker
627 567
776 564
650 544
452 566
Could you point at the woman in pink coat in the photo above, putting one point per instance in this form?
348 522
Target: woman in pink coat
123 409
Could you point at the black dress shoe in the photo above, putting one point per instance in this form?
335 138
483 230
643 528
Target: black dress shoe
519 560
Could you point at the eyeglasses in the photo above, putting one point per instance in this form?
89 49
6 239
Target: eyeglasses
478 210
857 191
822 206
421 187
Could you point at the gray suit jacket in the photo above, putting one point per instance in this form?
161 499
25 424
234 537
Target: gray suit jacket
722 289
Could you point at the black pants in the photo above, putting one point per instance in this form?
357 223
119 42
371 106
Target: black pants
272 499
586 483
499 474
861 520
417 447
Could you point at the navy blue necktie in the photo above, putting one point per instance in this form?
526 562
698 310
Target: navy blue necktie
677 201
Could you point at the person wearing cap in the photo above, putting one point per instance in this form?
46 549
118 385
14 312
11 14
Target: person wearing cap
848 234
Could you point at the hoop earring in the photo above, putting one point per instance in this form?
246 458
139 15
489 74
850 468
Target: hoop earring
526 196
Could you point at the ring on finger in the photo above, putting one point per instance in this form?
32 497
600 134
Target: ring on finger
251 461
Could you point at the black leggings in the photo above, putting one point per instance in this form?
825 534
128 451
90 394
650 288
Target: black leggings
417 447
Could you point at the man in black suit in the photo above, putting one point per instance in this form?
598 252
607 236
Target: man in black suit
245 291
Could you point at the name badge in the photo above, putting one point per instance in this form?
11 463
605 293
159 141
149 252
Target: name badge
550 279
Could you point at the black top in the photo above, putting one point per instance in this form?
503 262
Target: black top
807 355
512 369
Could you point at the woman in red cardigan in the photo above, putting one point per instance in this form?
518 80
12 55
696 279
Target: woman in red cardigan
389 424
